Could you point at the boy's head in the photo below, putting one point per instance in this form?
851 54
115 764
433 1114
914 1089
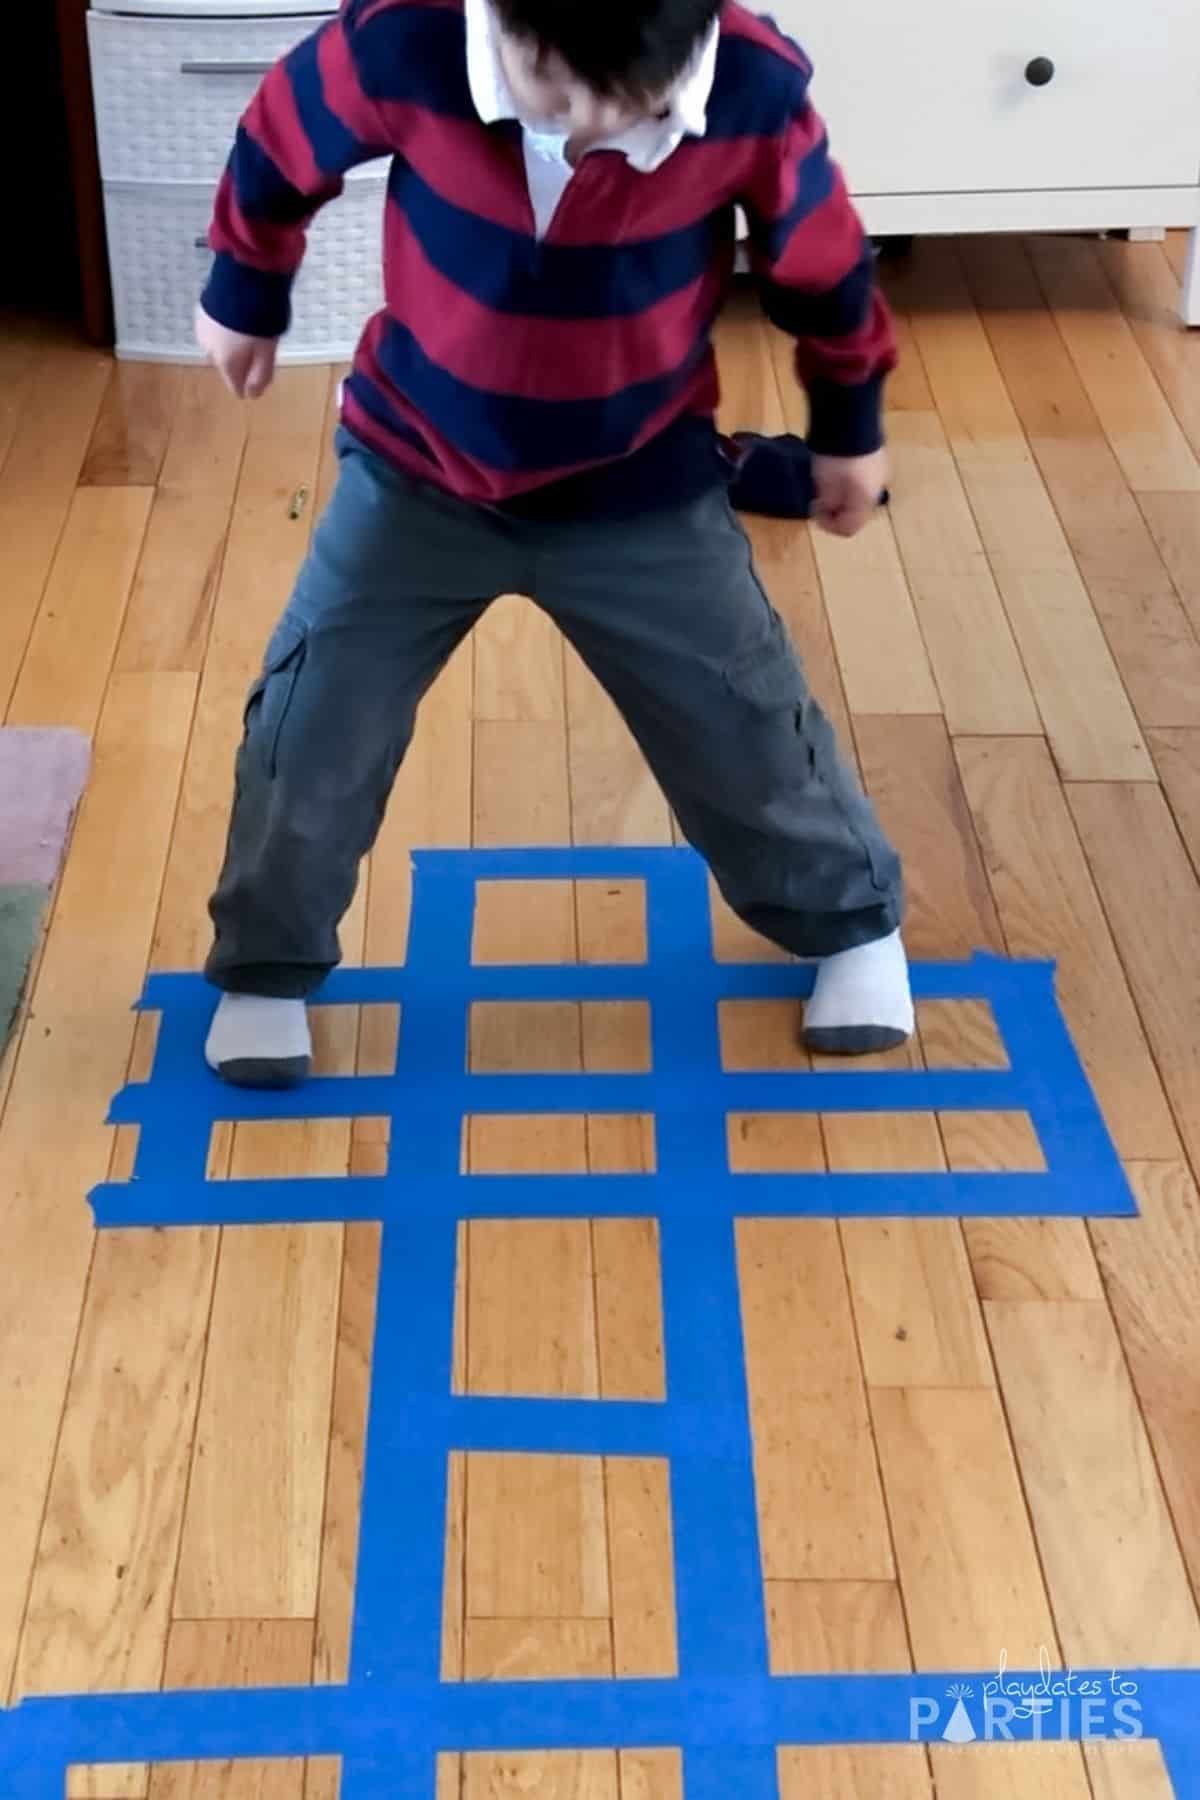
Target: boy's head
592 67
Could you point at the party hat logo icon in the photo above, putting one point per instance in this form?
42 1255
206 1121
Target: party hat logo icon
959 1729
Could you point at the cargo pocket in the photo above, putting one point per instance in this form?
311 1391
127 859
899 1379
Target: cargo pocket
270 699
768 678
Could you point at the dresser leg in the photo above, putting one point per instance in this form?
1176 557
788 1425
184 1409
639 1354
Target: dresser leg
1191 282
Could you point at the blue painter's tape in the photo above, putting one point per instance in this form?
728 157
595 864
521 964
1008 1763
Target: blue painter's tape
1181 1754
612 1197
367 1721
751 1774
724 1710
392 1779
398 1627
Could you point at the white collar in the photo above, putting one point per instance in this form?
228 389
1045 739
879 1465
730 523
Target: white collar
646 144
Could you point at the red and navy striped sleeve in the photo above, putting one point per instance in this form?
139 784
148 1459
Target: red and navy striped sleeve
311 120
816 271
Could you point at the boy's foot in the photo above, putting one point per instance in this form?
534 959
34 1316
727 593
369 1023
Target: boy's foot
258 1042
862 1001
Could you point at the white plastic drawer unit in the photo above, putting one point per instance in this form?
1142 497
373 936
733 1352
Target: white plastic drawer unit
157 237
169 92
1000 95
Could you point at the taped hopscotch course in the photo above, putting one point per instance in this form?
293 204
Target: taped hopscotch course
725 1711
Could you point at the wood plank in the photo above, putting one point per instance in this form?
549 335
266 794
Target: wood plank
40 471
1070 667
864 1772
1174 521
915 1306
629 1326
1140 425
907 387
170 609
968 1563
994 1771
134 424
1049 908
558 1775
651 1775
821 1512
536 1538
1147 289
914 781
518 664
1032 1259
878 1142
264 551
520 773
1132 1770
1151 1268
1077 1431
882 655
347 1445
1134 849
974 656
514 1348
614 797
837 1627
99 1604
1147 629
750 376
987 1142
880 650
71 647
252 1531
243 1653
641 1566
55 1145
1177 755
529 1649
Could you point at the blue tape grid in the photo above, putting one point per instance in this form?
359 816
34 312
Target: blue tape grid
725 1711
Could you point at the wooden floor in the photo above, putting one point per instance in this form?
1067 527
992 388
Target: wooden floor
970 1440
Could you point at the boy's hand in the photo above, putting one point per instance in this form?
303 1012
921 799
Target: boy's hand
245 364
848 490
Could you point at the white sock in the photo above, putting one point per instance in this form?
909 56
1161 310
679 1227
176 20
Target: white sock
257 1041
862 1001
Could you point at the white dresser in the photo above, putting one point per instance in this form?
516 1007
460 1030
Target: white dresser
949 115
1012 115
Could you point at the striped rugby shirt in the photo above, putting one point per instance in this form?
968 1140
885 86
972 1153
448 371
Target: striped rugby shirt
571 371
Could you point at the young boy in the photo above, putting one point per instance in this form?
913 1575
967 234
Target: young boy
532 412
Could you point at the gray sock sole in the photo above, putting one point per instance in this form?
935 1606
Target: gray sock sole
273 1072
853 1040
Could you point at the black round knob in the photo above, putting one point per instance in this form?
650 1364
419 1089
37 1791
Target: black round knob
1040 72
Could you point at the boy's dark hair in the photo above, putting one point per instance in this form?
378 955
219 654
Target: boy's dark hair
634 48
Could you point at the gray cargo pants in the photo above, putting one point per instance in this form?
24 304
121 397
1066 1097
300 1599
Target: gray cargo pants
668 613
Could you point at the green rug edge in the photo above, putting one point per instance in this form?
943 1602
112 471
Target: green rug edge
22 909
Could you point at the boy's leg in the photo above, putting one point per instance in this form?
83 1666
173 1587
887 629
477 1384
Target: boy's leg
669 614
395 578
